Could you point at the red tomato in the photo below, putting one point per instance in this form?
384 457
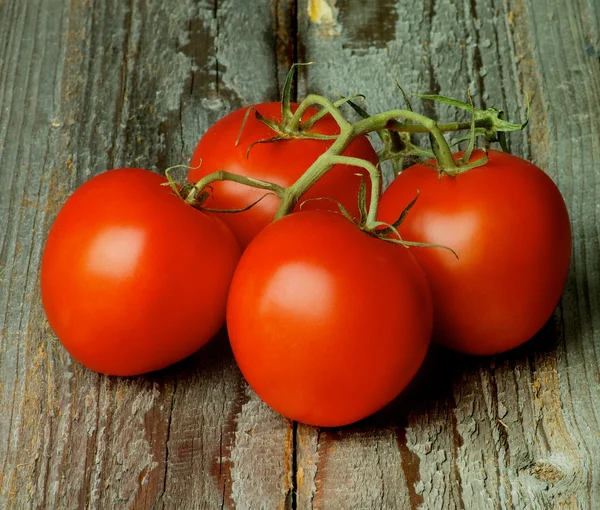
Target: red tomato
327 323
132 278
279 162
508 223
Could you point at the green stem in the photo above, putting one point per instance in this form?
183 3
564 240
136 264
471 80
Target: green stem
318 169
311 100
394 125
306 126
375 176
349 132
223 175
290 196
381 121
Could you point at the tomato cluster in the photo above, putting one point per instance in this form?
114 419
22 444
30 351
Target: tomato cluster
132 278
329 318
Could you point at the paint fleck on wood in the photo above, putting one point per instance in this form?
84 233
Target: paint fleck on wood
323 13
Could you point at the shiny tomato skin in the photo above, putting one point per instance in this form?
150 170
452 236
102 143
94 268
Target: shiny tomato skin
327 323
509 225
281 162
132 278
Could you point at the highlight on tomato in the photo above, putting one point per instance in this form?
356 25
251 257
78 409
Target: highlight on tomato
327 323
237 147
133 279
508 223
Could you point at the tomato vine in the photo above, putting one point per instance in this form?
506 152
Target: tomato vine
393 126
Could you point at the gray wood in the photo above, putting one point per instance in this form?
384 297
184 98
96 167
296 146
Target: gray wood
518 430
87 86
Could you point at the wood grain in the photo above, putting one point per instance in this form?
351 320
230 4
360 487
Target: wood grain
519 430
87 86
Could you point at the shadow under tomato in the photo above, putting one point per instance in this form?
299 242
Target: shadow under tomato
207 361
429 392
432 387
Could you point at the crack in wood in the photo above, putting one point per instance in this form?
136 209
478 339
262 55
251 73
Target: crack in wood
457 443
410 466
294 474
218 25
429 107
477 60
167 439
285 47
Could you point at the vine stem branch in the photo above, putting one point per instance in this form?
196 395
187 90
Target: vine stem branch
223 175
348 131
375 176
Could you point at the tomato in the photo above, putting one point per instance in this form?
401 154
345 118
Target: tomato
280 162
327 323
133 279
509 225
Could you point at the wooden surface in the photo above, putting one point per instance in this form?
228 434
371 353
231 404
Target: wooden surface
96 84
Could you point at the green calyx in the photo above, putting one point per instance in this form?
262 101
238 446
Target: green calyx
291 125
385 231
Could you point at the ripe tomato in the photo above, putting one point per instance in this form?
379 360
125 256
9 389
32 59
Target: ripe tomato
132 278
327 323
280 162
508 223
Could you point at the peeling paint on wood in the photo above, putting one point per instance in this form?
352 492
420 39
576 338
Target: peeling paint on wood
323 13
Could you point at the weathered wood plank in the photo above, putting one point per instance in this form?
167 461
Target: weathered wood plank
87 86
519 430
